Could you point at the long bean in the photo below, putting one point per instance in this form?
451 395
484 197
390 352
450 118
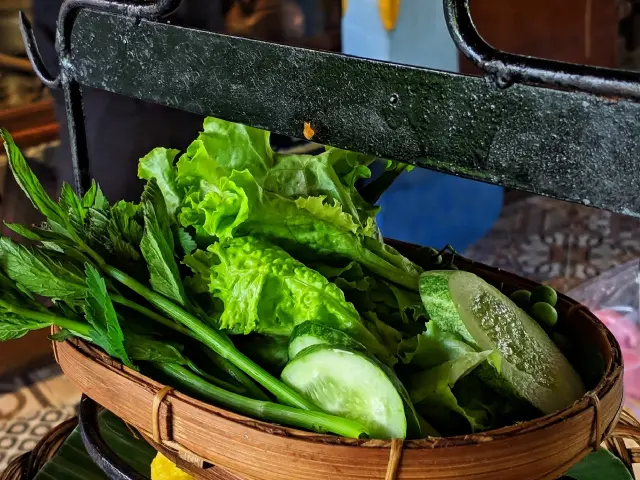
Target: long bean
234 372
214 340
267 411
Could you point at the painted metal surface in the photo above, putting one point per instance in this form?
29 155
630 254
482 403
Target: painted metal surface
456 211
570 145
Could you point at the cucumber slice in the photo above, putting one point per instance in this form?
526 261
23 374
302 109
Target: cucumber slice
311 333
532 367
348 384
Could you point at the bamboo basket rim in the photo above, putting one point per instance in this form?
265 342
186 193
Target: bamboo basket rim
613 372
92 353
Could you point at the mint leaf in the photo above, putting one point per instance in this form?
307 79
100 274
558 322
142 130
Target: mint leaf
157 246
39 273
200 263
125 230
72 206
31 186
37 234
101 315
14 326
100 202
144 348
89 197
94 198
127 221
186 241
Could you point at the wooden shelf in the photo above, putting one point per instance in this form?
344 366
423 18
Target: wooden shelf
32 124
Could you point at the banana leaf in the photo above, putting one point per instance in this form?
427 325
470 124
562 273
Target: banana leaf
72 462
599 465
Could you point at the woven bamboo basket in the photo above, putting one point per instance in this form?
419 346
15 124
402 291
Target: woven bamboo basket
219 444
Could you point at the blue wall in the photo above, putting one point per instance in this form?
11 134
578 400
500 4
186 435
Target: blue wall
422 207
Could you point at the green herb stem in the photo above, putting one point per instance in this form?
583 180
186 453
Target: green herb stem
44 318
151 315
238 375
382 267
213 339
234 372
267 411
215 380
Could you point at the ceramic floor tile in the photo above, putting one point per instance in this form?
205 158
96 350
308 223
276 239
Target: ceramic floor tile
558 243
21 434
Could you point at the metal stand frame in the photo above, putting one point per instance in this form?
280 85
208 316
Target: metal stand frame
562 130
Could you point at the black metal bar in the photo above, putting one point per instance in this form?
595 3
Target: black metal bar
33 53
576 147
508 68
64 78
101 454
77 134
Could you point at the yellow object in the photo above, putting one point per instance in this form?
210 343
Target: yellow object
164 469
345 5
308 131
389 11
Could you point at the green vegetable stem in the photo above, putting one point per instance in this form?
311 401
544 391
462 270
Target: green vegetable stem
17 321
214 340
234 372
267 411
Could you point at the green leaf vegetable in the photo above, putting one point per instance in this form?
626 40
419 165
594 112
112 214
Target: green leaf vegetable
102 317
306 204
260 282
265 290
210 337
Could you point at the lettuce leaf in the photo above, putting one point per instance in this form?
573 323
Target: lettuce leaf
237 206
432 391
237 147
230 183
397 307
432 347
266 291
332 174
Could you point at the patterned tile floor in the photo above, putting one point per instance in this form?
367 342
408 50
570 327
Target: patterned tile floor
558 243
31 404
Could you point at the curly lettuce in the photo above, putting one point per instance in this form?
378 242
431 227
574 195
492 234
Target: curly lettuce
266 291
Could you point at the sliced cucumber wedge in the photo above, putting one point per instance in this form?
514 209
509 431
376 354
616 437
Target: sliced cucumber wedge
311 333
348 384
532 367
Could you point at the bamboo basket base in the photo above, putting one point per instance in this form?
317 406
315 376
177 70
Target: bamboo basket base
242 448
26 467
